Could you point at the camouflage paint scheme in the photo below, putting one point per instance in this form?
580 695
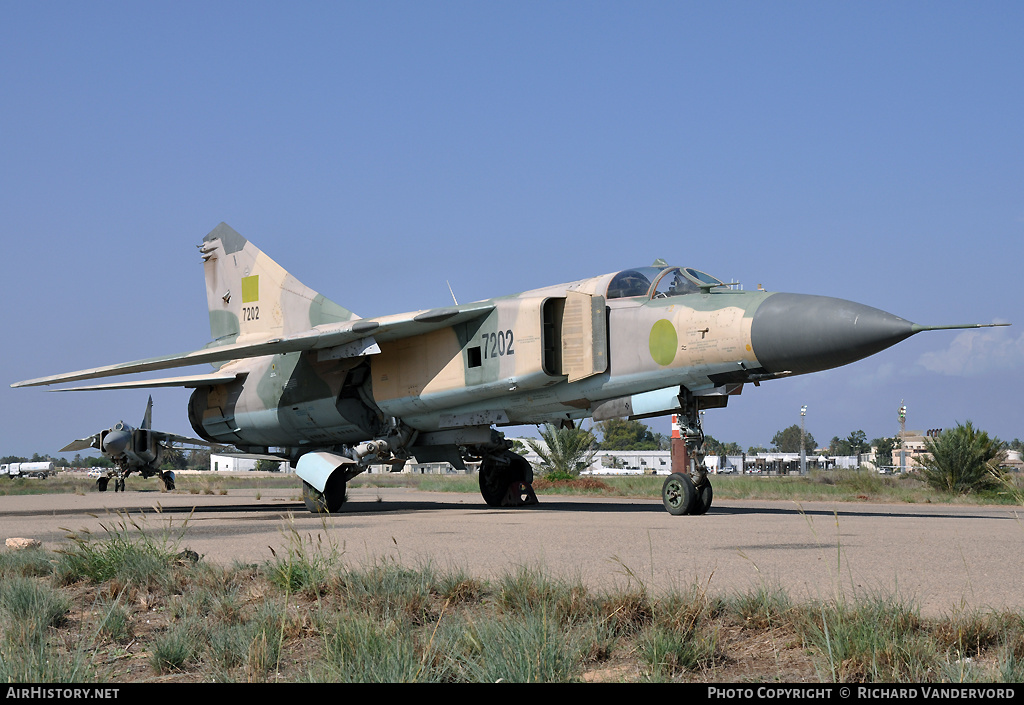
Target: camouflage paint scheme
301 377
489 369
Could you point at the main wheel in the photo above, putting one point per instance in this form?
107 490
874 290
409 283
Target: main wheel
101 484
702 499
497 476
168 478
328 501
678 494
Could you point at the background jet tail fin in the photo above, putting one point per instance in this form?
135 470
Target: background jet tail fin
147 420
250 296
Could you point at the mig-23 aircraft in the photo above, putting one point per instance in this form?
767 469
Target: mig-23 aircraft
299 376
138 450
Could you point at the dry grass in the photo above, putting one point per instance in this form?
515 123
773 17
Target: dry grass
157 614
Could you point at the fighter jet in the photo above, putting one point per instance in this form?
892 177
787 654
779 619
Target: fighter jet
133 450
300 377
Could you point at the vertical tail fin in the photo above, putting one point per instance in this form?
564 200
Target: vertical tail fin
251 297
147 420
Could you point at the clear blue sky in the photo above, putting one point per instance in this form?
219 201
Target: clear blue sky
872 151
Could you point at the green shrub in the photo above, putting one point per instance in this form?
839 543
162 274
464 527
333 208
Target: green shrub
963 460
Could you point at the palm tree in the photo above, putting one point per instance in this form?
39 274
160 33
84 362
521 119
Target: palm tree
963 459
564 450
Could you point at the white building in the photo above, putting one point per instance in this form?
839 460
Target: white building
231 463
631 462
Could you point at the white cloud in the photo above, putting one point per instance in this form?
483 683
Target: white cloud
976 352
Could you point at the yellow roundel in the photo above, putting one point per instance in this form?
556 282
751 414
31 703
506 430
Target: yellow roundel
664 342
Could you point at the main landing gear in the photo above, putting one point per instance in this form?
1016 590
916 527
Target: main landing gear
328 501
506 480
102 483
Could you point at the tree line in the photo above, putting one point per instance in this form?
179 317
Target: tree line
959 460
622 434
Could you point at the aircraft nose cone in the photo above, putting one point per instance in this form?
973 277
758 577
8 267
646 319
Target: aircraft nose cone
801 333
115 442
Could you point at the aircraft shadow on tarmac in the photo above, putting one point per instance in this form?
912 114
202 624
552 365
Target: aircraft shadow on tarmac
273 510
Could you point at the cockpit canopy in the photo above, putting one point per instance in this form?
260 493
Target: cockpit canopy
659 282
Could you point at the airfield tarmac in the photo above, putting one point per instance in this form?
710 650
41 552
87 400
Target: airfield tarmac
940 558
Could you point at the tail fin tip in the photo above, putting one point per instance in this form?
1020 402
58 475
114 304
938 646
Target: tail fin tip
230 238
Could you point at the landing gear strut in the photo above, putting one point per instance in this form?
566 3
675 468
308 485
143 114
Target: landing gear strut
688 492
506 480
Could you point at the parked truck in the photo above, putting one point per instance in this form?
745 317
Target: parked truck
44 469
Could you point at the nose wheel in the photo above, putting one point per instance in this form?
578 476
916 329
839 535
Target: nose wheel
680 496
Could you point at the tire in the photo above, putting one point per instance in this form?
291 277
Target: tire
496 476
101 484
702 499
522 468
327 502
678 494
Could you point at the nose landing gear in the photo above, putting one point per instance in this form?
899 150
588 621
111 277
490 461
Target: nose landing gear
688 492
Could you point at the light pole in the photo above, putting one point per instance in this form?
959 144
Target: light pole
803 449
903 436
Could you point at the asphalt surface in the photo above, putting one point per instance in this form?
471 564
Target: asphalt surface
941 558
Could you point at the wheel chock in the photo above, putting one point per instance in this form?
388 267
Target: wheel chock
519 494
